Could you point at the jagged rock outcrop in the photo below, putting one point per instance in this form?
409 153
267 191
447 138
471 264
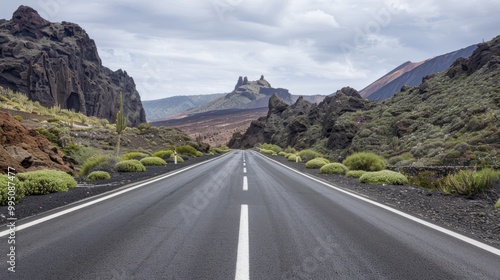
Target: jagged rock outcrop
26 150
246 95
304 124
58 64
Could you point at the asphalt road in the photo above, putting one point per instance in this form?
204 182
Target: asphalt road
239 216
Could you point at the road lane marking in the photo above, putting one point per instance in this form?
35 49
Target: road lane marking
72 209
456 235
244 164
244 170
245 183
243 258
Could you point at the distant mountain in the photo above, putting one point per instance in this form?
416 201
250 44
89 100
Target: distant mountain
162 108
411 74
246 95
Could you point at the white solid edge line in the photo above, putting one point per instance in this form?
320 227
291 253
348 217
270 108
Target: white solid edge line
459 236
245 183
243 259
58 214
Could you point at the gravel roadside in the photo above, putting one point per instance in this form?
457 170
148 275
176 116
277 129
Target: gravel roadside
473 217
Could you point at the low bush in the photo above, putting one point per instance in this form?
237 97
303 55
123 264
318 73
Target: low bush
131 165
290 150
307 155
333 168
317 163
45 181
98 163
199 154
355 173
15 189
163 153
153 161
179 158
267 152
364 161
18 118
293 158
275 148
187 150
134 155
497 205
383 177
282 153
98 175
469 182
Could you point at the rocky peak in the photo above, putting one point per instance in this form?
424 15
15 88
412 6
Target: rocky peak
276 105
28 22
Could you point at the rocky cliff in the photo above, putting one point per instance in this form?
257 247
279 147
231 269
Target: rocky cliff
58 64
304 124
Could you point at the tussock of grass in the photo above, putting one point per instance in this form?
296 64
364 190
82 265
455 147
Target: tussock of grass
45 181
497 205
98 175
308 154
179 158
153 161
134 155
469 182
383 177
333 168
5 183
293 158
131 165
317 163
355 173
364 161
163 153
187 150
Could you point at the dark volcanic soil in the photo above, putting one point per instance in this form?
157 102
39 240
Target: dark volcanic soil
473 217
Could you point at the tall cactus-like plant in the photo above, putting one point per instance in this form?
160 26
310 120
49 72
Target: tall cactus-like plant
121 124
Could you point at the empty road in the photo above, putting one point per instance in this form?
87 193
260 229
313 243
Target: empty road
239 216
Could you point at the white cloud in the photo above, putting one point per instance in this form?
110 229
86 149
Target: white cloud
308 46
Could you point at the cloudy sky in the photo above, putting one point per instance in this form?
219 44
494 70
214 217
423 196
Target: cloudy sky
307 46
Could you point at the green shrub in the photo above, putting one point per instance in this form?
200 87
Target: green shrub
163 153
333 168
153 161
364 161
131 165
96 161
272 147
179 158
290 150
307 155
267 152
282 153
497 205
199 154
47 134
469 182
16 189
317 163
187 150
383 177
98 175
134 155
46 181
355 173
18 118
293 158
